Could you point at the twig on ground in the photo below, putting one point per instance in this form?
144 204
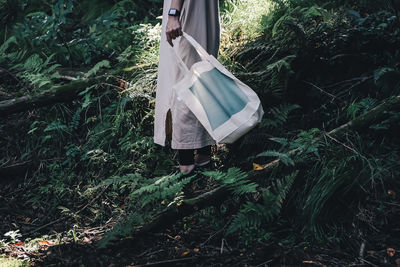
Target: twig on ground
163 262
216 233
322 90
337 141
263 264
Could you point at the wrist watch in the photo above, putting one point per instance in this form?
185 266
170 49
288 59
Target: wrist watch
174 12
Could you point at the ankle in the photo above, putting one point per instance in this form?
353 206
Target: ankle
186 168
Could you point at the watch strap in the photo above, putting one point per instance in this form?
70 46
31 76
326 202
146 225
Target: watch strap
174 12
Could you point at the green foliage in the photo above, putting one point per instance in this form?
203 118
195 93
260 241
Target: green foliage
120 183
6 45
38 72
339 185
151 196
235 180
284 158
97 67
388 79
278 116
164 189
361 107
123 229
256 214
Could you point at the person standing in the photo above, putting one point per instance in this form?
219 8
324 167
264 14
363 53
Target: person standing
173 119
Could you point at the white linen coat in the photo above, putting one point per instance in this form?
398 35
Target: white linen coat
200 19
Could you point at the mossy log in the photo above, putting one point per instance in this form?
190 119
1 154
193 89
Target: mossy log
60 93
57 94
367 119
172 214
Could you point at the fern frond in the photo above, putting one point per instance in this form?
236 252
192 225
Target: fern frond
97 67
119 182
243 187
235 180
254 214
163 189
284 158
7 43
250 215
278 116
123 228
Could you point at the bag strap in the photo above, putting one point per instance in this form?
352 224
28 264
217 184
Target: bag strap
202 52
199 49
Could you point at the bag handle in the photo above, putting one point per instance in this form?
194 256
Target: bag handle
199 49
202 52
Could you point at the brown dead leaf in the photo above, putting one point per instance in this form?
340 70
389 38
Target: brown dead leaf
196 250
257 167
27 219
45 243
185 253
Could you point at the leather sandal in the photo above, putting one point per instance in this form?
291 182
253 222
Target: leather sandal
201 164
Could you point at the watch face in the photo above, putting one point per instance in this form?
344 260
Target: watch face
172 12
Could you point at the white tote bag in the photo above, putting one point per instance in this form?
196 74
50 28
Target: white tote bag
225 106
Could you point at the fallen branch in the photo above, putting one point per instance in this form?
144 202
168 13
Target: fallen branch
176 212
367 119
164 262
56 94
187 207
363 121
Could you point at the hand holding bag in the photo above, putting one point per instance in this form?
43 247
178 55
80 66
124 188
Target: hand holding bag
225 106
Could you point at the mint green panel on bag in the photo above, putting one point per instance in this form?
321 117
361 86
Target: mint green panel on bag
220 104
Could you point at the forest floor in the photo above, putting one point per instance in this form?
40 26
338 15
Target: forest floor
189 242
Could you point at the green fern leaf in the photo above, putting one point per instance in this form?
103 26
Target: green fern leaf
284 158
97 67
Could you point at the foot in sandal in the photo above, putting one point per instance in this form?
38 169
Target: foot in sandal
186 169
201 160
